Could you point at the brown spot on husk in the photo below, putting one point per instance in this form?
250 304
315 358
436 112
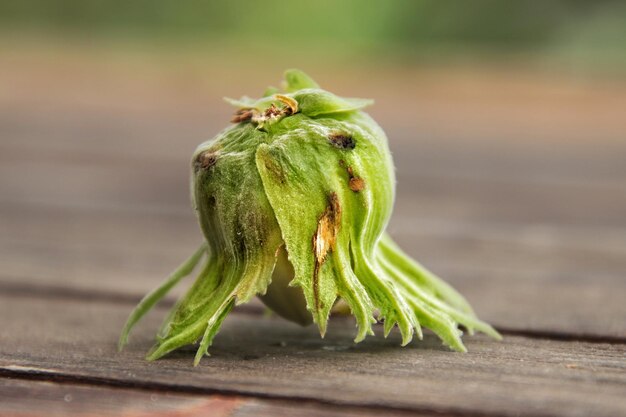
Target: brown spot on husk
355 183
274 168
341 140
206 159
324 240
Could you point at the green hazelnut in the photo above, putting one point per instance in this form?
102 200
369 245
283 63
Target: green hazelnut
293 201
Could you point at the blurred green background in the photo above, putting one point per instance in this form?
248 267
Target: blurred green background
575 35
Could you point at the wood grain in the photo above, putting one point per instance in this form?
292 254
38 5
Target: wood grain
31 397
272 358
593 196
518 277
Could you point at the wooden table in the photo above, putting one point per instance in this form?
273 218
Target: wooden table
526 217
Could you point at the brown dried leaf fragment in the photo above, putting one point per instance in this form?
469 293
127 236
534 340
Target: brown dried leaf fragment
291 105
242 115
271 113
327 229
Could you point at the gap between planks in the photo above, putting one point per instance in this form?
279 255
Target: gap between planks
304 406
70 399
255 308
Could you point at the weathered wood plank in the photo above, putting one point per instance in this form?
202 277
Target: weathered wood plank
464 193
29 398
26 398
519 278
273 358
98 140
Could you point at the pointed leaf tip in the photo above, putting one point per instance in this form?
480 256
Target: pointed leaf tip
297 80
316 102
